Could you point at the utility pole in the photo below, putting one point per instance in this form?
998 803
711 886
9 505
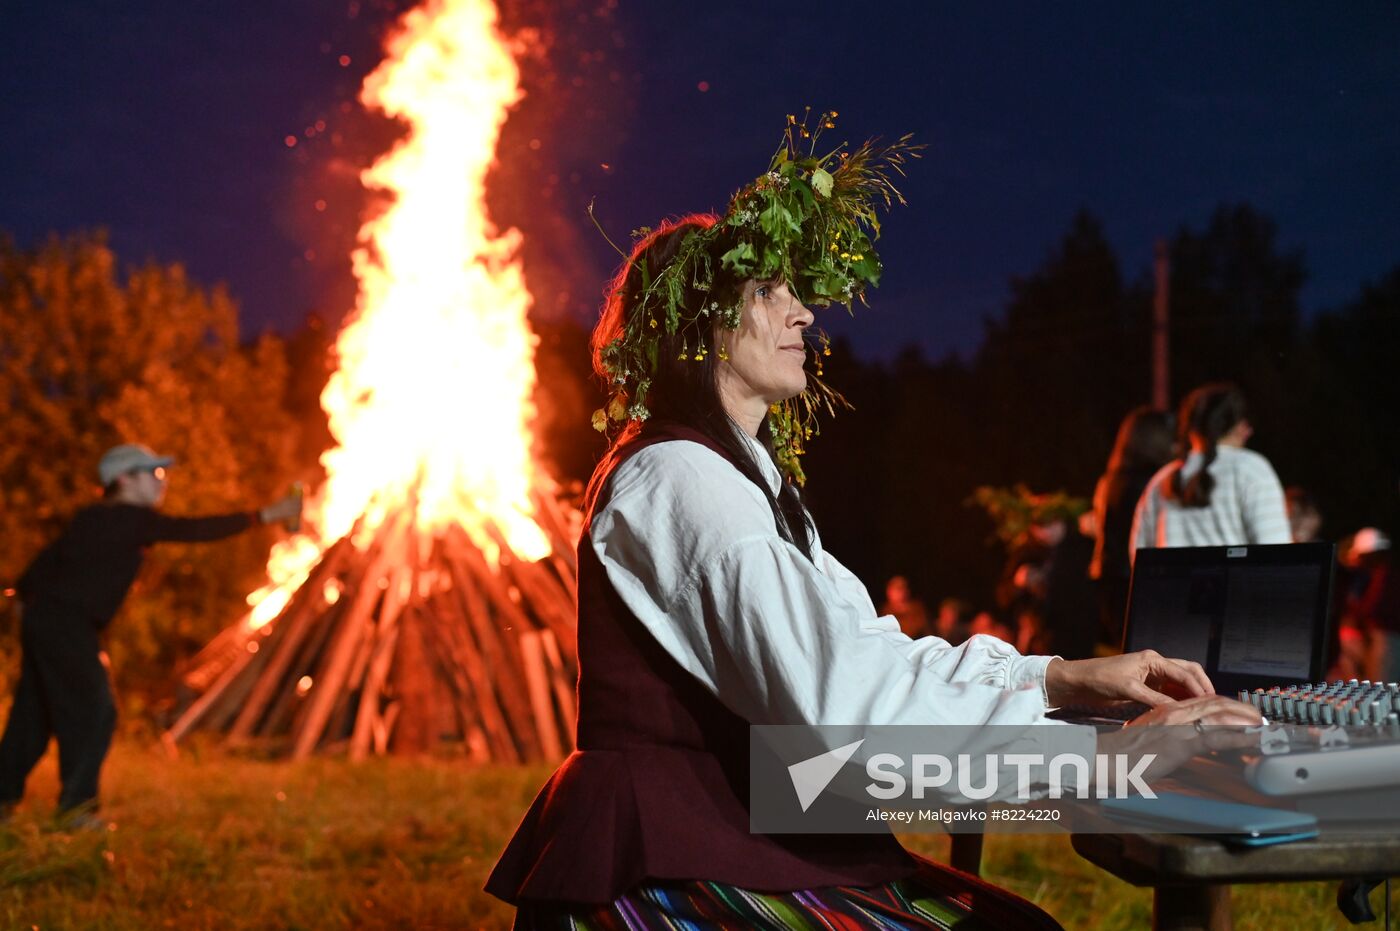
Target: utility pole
1161 314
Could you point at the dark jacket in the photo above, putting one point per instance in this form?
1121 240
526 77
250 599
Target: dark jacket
90 567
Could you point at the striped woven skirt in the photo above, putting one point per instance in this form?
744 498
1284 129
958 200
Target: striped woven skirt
935 896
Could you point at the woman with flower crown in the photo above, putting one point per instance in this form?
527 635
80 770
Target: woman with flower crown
707 602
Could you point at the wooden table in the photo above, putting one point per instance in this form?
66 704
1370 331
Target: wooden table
1191 876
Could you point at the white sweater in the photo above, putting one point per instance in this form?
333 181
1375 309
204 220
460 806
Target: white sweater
1246 505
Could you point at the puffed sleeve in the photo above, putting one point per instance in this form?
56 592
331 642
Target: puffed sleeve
692 549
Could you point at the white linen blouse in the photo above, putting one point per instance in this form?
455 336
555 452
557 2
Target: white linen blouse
693 550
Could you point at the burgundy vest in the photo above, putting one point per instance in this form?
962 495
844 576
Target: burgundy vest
658 788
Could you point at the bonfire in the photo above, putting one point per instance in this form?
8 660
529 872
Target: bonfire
430 594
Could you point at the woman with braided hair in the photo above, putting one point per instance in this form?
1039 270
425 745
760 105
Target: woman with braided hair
1218 493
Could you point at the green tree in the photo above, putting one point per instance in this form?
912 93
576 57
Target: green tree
1234 298
1235 316
1060 367
1356 442
89 359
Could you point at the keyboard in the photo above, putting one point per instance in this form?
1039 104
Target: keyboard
1116 713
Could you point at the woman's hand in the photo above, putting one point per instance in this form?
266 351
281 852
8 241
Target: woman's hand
1146 677
1201 710
1163 749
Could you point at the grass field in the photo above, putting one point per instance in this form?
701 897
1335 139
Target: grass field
214 841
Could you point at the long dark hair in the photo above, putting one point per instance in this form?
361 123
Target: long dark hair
685 390
1207 414
1145 441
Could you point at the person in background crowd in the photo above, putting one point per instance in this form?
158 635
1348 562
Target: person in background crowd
69 594
1304 519
990 624
954 620
1046 586
1349 652
1374 602
1218 493
1145 443
1068 602
908 610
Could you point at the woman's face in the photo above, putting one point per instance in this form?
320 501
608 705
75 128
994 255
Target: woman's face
766 353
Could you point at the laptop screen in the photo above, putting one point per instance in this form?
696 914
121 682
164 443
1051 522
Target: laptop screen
1252 616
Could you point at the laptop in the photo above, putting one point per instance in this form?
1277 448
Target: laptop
1252 616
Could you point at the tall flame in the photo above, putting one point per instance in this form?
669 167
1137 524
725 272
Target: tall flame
431 404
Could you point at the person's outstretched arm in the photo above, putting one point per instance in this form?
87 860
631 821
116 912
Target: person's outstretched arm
159 528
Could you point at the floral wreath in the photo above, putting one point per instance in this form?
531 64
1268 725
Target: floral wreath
809 221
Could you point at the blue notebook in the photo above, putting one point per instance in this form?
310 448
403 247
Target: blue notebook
1233 822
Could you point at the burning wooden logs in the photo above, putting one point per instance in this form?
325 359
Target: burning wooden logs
400 646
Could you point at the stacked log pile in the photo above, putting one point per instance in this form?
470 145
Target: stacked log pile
400 645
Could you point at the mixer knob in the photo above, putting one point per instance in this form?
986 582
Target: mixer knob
1376 712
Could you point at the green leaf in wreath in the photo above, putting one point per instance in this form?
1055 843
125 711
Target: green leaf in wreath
740 259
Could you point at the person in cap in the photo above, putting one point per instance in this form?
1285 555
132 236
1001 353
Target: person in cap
707 604
69 594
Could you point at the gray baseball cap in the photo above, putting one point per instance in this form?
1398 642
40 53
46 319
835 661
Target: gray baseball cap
128 457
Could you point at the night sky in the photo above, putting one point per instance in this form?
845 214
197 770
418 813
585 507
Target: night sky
166 123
